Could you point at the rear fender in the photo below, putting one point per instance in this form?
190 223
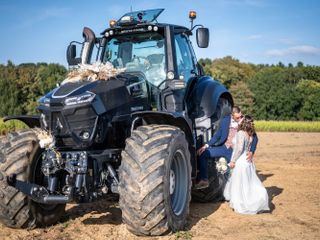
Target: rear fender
204 95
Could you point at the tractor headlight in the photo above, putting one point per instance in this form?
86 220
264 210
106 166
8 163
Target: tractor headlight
86 97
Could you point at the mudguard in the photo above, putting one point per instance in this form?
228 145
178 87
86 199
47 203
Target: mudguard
177 119
30 120
204 95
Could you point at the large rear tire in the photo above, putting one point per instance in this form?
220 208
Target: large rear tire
20 154
155 180
217 181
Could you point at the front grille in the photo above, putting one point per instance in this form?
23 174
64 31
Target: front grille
57 122
83 119
69 129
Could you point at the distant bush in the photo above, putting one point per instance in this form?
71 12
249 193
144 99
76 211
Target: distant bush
10 126
22 85
287 126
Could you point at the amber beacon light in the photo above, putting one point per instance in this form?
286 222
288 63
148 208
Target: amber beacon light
192 15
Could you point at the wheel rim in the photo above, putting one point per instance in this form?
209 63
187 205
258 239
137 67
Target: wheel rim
172 181
178 183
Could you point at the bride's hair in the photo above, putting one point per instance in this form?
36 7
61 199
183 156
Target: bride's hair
247 125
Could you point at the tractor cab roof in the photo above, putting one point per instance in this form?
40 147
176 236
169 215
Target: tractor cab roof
139 21
143 16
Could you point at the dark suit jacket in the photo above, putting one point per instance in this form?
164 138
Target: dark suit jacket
221 135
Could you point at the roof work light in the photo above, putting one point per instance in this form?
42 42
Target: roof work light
112 23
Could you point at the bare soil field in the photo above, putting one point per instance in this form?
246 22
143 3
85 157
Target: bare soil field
287 163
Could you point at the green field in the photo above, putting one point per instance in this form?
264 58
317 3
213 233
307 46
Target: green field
287 126
264 126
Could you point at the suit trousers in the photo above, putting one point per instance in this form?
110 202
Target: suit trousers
212 152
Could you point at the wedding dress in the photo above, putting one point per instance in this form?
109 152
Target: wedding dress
244 190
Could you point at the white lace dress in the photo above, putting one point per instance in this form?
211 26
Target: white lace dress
244 190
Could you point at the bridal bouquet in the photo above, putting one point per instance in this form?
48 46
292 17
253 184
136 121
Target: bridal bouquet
222 165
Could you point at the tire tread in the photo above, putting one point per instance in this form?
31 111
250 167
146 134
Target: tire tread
141 179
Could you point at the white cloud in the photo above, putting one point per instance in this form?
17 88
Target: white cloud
254 37
294 51
287 41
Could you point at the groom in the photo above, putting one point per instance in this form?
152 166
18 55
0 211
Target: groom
220 145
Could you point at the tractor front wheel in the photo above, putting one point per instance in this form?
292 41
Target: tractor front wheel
20 154
155 180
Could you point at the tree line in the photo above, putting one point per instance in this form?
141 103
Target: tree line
22 85
268 92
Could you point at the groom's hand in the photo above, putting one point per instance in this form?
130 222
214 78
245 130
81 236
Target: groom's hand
249 156
202 149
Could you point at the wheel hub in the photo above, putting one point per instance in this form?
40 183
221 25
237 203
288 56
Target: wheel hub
172 181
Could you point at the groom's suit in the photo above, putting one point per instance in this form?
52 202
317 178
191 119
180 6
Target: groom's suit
220 145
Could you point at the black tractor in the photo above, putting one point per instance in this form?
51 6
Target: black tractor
134 134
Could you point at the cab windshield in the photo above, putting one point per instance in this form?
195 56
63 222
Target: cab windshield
143 52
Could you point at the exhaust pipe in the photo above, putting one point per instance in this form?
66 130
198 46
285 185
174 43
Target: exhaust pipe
89 41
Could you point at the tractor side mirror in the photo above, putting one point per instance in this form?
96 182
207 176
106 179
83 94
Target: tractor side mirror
71 55
203 37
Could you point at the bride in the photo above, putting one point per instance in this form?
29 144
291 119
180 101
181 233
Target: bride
244 191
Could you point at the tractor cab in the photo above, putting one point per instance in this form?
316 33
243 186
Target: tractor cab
161 53
137 42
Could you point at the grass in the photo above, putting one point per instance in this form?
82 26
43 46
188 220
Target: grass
287 126
10 126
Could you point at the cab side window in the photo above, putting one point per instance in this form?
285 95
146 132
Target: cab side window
186 67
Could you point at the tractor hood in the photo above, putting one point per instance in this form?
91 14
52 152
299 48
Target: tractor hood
75 112
104 95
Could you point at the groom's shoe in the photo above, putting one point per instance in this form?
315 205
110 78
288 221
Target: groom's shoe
202 184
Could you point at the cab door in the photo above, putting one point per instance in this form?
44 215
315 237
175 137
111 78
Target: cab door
185 60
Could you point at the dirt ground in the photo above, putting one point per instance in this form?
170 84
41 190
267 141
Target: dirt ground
287 163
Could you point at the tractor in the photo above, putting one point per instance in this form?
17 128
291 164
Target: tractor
134 134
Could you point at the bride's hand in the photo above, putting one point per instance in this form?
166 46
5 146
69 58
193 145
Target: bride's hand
232 165
249 156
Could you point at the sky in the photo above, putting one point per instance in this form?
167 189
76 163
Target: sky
253 31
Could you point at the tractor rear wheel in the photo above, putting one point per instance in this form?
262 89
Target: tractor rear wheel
20 154
217 181
155 180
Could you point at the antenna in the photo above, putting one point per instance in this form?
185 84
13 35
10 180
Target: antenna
131 8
